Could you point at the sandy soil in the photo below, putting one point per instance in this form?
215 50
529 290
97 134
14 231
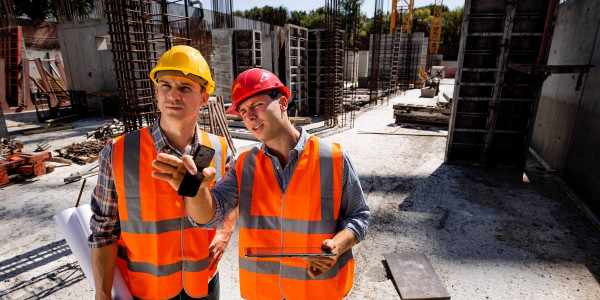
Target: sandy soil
503 238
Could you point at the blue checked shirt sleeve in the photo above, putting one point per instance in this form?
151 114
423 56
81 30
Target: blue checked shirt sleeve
104 223
225 193
354 210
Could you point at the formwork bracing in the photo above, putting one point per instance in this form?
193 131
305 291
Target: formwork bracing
334 64
11 40
494 106
376 52
138 30
247 48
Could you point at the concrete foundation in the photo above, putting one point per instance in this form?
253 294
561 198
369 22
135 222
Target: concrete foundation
567 126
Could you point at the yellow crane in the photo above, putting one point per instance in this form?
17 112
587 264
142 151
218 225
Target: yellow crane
406 16
435 34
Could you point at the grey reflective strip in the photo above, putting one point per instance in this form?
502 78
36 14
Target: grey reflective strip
218 157
289 225
164 270
195 266
158 227
131 175
247 183
291 272
326 175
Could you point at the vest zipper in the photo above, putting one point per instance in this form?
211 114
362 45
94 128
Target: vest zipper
281 258
182 250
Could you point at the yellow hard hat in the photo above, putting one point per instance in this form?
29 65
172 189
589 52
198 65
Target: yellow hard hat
186 60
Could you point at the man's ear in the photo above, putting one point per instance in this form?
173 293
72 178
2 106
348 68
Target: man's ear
205 97
284 103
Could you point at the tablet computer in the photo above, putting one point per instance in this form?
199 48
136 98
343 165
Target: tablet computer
286 252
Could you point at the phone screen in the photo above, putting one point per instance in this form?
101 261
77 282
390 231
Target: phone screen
285 252
191 183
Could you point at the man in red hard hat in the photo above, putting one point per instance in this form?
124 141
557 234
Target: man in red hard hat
295 191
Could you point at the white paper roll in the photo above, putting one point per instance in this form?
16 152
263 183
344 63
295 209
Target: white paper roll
74 225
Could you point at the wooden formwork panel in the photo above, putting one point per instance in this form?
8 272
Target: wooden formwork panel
494 107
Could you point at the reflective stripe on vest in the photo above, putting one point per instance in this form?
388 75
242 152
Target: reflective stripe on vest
309 215
159 251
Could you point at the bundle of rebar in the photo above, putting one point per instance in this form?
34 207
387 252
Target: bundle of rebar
333 64
351 42
7 14
221 14
376 52
138 29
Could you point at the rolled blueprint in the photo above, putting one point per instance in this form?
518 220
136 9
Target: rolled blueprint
74 225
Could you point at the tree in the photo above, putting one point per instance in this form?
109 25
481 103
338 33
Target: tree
40 10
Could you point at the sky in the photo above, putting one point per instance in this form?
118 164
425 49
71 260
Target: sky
368 6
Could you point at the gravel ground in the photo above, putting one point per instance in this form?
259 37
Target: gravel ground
507 235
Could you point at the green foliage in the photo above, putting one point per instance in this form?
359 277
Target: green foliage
451 23
41 10
315 19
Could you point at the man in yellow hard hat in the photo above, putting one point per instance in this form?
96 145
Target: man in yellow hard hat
140 223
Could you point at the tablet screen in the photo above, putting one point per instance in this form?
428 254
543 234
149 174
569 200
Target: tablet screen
285 252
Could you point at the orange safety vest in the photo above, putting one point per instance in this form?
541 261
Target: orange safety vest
304 216
159 251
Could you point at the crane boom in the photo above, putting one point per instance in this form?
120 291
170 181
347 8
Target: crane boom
435 34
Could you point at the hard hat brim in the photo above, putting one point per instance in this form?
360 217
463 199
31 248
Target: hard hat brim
233 108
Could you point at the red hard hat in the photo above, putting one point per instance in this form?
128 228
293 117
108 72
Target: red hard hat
251 82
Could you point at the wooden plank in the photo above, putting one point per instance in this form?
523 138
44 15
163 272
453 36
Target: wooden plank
61 70
414 277
48 129
47 86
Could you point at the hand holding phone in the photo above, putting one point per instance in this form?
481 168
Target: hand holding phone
191 183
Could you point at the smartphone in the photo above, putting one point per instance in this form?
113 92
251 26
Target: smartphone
286 252
191 183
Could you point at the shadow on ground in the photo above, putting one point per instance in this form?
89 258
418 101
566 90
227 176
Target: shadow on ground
479 214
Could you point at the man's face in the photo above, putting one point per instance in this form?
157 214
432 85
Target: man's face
179 98
263 116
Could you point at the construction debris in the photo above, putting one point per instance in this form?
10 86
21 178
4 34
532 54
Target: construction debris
82 153
108 131
421 114
19 166
88 172
43 146
9 147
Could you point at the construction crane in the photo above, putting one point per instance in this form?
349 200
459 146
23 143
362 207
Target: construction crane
435 34
406 16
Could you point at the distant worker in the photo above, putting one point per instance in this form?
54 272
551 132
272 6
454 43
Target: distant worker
139 222
295 191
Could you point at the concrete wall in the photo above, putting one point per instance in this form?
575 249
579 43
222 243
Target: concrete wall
222 62
87 68
567 126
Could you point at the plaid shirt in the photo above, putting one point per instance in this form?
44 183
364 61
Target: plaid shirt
354 210
104 223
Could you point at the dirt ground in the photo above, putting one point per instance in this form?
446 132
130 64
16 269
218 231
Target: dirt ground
488 233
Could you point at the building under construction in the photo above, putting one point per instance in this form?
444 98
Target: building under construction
477 156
